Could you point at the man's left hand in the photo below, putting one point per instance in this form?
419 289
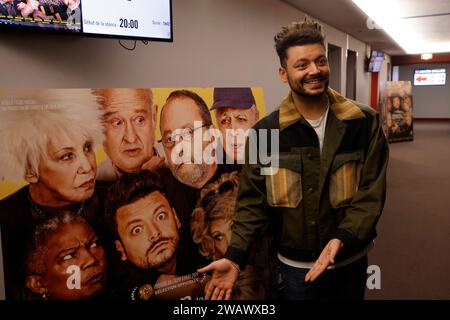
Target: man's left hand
326 258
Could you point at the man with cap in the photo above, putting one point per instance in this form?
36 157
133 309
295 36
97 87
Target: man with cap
236 112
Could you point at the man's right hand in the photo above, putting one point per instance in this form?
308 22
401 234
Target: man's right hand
224 276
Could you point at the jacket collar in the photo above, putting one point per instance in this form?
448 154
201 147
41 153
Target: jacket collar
342 108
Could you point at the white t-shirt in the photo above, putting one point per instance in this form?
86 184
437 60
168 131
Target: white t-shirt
319 126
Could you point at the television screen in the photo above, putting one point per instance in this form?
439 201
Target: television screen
429 77
129 19
375 61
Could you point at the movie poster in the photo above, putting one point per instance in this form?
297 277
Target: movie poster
47 14
122 193
396 107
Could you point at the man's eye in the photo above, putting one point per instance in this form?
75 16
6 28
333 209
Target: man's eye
168 138
242 118
67 156
161 216
88 147
68 256
322 61
136 230
116 122
139 120
93 245
218 237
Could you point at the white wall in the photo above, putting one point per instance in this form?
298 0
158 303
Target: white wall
363 78
216 43
335 63
339 39
384 72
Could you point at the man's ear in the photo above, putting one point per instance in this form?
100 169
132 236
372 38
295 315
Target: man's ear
154 114
283 74
35 284
176 218
121 249
212 134
256 113
31 176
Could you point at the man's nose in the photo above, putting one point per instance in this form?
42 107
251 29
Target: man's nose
153 233
130 133
313 69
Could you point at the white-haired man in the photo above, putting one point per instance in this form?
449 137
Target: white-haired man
129 126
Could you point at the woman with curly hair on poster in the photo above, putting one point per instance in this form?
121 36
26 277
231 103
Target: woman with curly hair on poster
211 226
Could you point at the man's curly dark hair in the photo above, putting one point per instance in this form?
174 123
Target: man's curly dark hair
305 32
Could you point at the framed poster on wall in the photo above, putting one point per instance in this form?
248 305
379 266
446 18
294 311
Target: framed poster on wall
396 107
77 167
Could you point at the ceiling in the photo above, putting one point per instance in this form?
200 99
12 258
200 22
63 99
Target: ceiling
428 18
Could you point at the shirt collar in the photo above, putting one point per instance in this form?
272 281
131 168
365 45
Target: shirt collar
342 108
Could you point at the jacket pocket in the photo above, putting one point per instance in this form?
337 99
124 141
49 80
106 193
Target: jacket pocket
284 185
345 178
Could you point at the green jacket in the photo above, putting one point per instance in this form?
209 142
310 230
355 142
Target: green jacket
312 197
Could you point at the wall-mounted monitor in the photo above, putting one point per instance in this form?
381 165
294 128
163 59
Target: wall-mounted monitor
375 61
126 19
430 77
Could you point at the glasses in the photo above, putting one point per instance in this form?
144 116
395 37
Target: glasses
185 133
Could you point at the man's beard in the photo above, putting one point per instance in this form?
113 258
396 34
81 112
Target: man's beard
191 177
299 90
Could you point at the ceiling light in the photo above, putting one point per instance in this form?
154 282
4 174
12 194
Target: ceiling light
426 56
394 17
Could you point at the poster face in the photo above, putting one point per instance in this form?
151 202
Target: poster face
396 105
121 193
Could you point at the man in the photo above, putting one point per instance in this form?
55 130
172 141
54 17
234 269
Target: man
236 112
184 117
145 224
147 233
129 125
329 190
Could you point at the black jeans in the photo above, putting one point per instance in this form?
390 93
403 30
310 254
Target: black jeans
345 283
